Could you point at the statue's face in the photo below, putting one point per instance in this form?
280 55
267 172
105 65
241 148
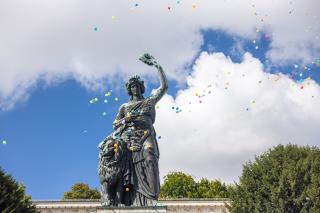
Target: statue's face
135 89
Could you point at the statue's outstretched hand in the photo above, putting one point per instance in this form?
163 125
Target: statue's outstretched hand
148 59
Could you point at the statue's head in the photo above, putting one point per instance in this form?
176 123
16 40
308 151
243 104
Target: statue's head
135 86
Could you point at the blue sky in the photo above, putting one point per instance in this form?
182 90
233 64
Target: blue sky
52 130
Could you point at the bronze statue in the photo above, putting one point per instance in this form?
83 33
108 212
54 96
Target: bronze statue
138 154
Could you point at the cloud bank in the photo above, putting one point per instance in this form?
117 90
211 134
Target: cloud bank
231 112
95 41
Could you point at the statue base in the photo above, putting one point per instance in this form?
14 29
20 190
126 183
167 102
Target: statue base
132 209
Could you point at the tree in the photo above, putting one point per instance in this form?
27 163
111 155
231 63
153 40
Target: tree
13 197
181 185
211 189
82 191
284 179
178 185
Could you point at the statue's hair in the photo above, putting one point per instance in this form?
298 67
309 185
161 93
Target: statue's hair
135 80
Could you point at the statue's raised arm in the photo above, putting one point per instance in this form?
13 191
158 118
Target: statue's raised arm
150 60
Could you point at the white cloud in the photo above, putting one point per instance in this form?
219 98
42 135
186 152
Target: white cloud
54 39
247 112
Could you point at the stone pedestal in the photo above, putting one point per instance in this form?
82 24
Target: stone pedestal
132 209
168 206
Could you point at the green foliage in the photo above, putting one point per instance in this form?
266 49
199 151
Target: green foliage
13 197
211 189
284 179
82 191
178 185
181 185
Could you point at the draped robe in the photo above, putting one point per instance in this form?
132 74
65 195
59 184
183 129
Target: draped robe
141 177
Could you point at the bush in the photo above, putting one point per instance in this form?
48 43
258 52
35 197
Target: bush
178 185
211 189
284 179
81 191
181 185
